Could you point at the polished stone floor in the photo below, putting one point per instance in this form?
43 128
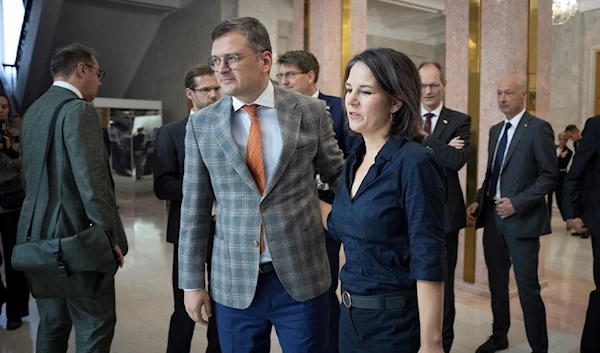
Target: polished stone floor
144 297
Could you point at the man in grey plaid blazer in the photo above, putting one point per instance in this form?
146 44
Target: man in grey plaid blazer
284 285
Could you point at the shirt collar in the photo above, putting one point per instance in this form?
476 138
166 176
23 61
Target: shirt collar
437 111
68 86
266 99
316 94
514 122
192 112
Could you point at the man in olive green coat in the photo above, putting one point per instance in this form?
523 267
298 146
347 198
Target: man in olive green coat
75 190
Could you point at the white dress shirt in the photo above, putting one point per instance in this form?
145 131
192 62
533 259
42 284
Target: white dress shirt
68 86
436 115
316 94
514 122
272 141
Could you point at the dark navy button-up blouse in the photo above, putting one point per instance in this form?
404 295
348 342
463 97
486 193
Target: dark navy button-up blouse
393 228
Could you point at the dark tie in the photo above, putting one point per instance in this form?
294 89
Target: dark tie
498 162
428 117
254 157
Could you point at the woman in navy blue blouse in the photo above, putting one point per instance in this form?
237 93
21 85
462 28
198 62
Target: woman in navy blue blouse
389 214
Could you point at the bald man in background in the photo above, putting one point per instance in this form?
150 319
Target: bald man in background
511 206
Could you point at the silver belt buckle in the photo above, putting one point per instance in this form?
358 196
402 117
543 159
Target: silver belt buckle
347 299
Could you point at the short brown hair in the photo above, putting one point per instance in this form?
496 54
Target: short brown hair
398 77
66 58
571 128
437 65
196 71
302 59
255 32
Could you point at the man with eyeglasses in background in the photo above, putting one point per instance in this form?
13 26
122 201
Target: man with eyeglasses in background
448 135
299 72
80 166
202 89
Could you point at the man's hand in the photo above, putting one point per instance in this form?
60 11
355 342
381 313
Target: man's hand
504 208
457 143
472 212
577 225
119 255
325 210
194 301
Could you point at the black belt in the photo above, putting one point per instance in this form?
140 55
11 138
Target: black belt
266 268
395 300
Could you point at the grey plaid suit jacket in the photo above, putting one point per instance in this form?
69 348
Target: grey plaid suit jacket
288 209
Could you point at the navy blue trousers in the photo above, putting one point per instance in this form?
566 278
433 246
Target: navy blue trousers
333 253
301 326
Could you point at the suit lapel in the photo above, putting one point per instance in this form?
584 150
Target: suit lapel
517 136
224 138
289 123
493 142
441 123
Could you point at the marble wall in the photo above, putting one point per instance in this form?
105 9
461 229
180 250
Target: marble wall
574 45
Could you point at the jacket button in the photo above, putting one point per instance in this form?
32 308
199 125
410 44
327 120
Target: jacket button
255 243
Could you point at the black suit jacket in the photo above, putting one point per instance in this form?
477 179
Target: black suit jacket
346 140
168 172
585 174
563 163
529 173
451 124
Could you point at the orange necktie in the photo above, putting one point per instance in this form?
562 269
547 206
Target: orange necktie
254 157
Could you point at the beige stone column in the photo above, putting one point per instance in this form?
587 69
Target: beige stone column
358 26
325 42
503 49
299 25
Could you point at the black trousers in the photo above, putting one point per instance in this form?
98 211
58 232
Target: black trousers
590 340
501 251
333 253
558 191
380 331
449 308
181 327
16 293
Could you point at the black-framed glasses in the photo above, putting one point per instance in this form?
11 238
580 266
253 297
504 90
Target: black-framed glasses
100 73
207 90
432 86
290 74
232 61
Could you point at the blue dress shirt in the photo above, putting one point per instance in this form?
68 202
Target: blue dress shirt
272 141
393 228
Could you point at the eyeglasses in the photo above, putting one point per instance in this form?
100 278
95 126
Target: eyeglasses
290 74
206 90
231 61
433 86
100 73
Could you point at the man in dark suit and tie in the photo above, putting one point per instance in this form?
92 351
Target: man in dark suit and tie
448 135
563 154
586 170
202 89
511 206
299 72
78 163
256 153
574 134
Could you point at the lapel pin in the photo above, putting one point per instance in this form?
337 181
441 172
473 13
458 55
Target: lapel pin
525 125
445 122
